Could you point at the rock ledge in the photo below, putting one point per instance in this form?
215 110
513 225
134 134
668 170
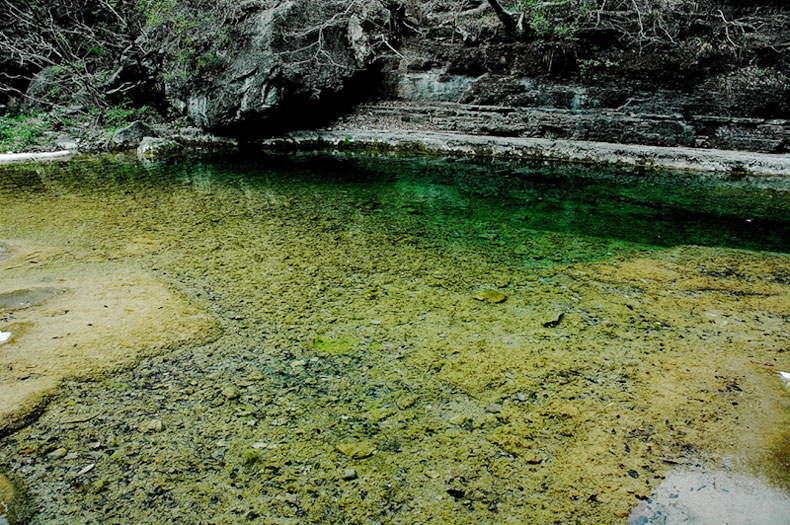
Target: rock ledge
655 157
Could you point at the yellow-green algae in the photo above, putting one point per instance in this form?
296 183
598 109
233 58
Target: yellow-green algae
353 339
90 319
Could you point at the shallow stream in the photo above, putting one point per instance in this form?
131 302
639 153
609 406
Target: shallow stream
377 339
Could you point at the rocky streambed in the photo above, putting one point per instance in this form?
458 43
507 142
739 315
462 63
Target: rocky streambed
378 339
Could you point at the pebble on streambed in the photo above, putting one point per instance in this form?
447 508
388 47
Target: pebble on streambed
492 296
354 450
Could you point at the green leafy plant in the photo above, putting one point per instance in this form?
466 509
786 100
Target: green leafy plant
22 131
119 116
554 20
188 31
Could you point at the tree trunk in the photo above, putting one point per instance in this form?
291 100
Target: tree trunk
506 18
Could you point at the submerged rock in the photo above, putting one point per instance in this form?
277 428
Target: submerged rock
154 425
231 392
492 296
460 419
356 450
15 503
494 408
349 474
99 319
6 491
154 148
58 453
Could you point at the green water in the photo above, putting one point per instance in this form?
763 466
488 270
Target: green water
529 213
351 337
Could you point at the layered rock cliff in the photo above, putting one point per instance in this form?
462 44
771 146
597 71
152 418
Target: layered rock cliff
708 73
699 88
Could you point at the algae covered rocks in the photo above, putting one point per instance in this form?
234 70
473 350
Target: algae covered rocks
491 296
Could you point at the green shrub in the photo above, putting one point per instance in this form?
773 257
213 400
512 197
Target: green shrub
22 131
120 116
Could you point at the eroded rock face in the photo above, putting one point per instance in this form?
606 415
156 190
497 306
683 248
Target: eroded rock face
285 64
131 135
38 95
